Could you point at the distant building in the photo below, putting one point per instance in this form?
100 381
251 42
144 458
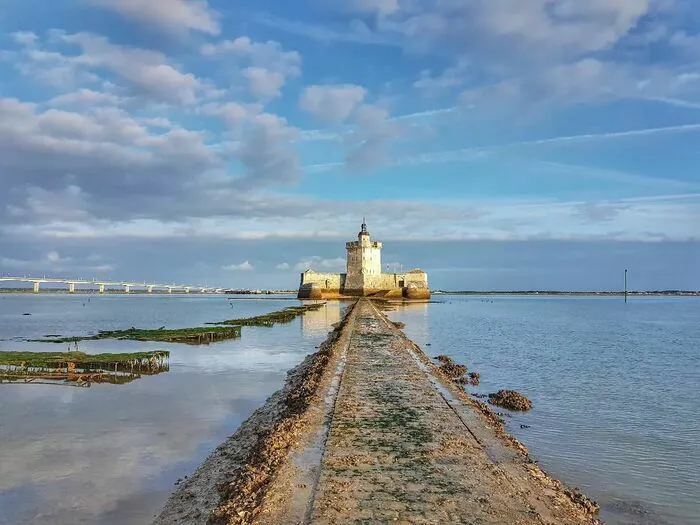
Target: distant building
364 276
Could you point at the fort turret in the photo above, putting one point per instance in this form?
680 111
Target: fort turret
364 258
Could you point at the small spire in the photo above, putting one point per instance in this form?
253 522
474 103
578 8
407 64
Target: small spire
364 226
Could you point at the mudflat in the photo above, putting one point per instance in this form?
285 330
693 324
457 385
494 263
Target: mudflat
368 430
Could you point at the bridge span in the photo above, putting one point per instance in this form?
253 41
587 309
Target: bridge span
102 285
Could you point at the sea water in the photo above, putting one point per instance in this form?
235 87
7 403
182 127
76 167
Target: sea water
110 454
615 388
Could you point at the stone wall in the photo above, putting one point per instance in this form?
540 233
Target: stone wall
412 285
364 257
330 281
315 285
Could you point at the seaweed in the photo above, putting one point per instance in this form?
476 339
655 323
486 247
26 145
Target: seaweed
195 336
285 315
511 400
213 332
80 369
99 361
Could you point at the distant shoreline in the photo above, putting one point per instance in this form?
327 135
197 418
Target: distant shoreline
115 291
672 293
261 294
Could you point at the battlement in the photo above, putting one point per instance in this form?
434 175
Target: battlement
355 244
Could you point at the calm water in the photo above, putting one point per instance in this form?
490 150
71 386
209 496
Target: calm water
109 454
615 390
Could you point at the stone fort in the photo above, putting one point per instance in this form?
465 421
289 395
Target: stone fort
364 276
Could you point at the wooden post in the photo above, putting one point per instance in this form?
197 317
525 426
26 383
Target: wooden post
625 285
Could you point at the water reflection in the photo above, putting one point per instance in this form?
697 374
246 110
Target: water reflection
110 455
415 316
318 322
79 369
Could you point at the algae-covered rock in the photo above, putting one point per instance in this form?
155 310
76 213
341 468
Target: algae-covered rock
452 370
511 400
580 498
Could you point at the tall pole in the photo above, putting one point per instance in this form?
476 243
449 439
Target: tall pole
625 285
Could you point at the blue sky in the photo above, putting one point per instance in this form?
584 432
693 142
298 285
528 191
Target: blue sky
500 143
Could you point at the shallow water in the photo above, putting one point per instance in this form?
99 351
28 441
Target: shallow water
110 454
614 388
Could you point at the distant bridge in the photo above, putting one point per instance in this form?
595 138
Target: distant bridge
102 285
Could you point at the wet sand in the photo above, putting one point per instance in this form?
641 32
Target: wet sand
368 430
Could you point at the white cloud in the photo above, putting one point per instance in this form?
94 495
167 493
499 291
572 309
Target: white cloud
544 27
53 256
86 97
381 7
355 32
368 145
69 166
269 64
451 77
25 38
234 114
582 81
283 266
662 217
267 152
144 72
102 268
688 45
332 102
268 54
677 102
264 83
316 262
245 266
193 15
8 262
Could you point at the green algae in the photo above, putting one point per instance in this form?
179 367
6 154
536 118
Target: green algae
80 369
220 331
53 359
195 336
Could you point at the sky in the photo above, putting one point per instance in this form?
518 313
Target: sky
497 144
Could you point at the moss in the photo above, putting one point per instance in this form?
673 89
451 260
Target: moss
200 335
79 368
80 359
213 332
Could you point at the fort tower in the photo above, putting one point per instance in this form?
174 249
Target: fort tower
364 259
364 275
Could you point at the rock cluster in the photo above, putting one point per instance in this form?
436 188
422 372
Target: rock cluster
511 400
579 497
452 370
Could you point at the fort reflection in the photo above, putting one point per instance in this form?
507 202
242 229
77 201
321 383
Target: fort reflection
321 321
415 316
